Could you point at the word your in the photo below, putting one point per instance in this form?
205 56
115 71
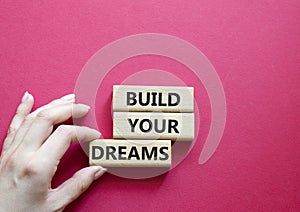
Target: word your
147 125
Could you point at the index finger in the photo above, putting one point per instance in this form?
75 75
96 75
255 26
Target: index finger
43 122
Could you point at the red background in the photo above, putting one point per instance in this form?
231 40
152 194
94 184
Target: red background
253 45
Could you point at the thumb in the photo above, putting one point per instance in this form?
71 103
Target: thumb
75 186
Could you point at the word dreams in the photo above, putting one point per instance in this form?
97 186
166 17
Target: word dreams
123 152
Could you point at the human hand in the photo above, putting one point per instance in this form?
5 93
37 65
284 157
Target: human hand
31 153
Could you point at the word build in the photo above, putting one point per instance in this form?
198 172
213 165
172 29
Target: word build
130 153
153 98
146 125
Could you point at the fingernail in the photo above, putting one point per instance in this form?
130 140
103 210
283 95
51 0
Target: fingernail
69 97
25 96
85 107
100 172
98 133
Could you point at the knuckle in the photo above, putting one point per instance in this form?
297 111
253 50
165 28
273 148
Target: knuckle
20 110
11 162
43 115
28 118
77 188
66 130
80 186
11 130
30 169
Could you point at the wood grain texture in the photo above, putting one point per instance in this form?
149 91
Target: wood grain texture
130 153
146 125
153 98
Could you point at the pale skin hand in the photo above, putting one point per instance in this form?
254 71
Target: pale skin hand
31 153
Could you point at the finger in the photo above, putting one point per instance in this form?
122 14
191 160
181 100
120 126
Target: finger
60 140
74 187
43 123
22 111
29 119
65 99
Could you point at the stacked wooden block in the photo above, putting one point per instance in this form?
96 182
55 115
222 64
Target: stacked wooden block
145 121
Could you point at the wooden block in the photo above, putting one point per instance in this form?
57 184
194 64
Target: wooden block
130 153
146 125
153 98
